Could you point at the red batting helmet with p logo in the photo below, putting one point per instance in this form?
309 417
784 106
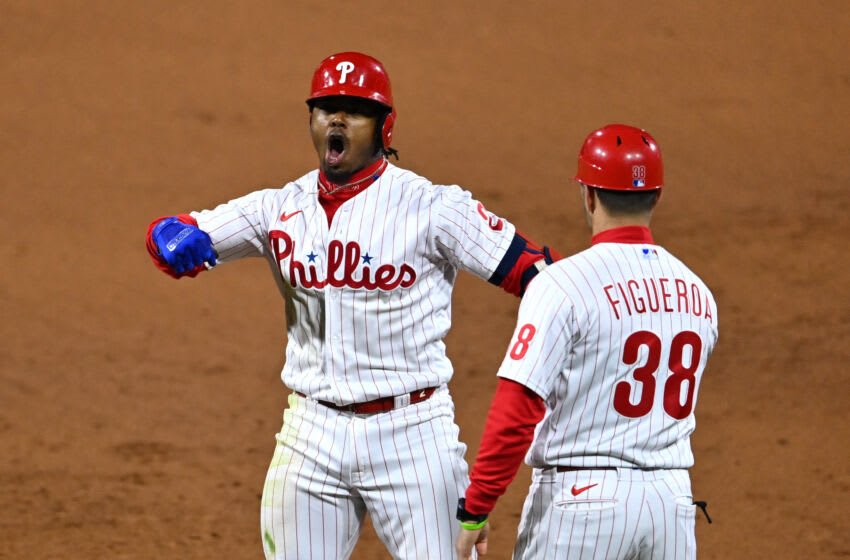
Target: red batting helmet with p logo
357 75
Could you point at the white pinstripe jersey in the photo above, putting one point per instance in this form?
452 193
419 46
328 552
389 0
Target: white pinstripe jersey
615 339
368 298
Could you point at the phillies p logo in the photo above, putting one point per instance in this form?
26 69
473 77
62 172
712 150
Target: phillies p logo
345 68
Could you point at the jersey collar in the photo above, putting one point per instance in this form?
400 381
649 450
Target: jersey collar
624 234
357 183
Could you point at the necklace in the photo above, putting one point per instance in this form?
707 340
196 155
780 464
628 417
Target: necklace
371 177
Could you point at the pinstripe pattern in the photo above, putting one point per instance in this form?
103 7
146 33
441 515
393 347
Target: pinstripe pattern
578 351
575 361
628 514
354 344
404 467
368 303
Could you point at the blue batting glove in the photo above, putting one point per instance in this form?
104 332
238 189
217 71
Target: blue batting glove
183 247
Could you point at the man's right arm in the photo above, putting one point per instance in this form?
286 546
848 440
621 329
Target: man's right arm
532 364
179 247
187 244
508 432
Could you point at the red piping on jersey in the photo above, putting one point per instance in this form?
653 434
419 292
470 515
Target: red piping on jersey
332 196
153 251
515 412
624 234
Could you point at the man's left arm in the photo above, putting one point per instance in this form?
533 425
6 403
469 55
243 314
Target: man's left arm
523 260
473 238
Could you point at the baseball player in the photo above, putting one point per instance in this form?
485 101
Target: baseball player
365 254
601 380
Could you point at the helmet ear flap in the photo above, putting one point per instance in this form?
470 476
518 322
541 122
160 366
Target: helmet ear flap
387 129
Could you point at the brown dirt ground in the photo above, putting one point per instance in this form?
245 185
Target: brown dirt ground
137 414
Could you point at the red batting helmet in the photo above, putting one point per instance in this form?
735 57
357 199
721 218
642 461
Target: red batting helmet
621 158
357 75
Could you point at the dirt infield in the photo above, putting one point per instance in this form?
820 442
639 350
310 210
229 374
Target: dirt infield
137 414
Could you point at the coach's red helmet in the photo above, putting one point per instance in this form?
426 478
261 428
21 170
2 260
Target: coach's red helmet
357 75
621 158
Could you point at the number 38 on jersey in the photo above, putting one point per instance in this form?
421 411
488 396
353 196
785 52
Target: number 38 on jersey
685 349
679 374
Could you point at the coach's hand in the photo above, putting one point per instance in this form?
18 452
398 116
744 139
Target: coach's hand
183 247
469 538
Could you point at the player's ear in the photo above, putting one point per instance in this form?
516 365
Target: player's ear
589 196
377 137
310 107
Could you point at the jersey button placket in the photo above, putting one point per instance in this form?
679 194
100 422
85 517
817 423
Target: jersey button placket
333 320
333 303
333 351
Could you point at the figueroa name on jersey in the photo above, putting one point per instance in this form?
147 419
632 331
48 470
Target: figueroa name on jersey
654 295
345 258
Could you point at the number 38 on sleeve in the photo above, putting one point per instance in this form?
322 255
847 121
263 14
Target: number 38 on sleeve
523 339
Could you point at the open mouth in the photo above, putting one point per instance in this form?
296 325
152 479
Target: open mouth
336 148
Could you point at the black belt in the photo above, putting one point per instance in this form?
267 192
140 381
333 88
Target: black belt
384 404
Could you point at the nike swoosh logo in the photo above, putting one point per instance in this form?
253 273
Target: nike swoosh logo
577 491
285 216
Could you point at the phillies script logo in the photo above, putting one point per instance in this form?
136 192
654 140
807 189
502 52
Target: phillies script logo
346 267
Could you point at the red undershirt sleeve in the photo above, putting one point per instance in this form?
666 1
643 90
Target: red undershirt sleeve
153 251
515 412
521 263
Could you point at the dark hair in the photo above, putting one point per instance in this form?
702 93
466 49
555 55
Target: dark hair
620 203
379 137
